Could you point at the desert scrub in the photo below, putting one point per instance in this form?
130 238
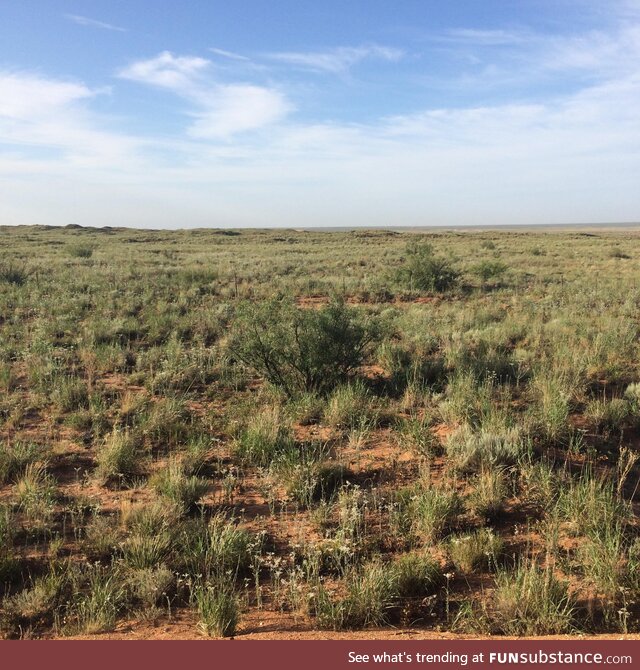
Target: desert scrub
609 415
217 548
15 457
9 566
467 399
36 493
554 394
603 561
471 450
351 406
166 425
415 432
589 503
489 270
140 551
100 596
302 350
13 273
415 575
425 511
424 270
80 250
370 595
488 497
120 458
541 483
477 551
529 600
34 608
307 483
266 438
632 396
151 587
218 609
71 393
174 484
102 536
307 408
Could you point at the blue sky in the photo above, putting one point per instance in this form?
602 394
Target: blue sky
353 112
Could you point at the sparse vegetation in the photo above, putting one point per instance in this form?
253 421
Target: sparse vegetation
343 429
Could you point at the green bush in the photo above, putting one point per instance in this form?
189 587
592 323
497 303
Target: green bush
302 350
120 456
80 250
487 270
425 271
415 575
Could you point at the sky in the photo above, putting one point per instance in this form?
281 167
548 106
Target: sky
292 113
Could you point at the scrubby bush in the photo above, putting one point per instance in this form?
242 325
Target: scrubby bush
302 350
415 575
80 250
487 270
12 273
424 270
15 457
370 595
471 450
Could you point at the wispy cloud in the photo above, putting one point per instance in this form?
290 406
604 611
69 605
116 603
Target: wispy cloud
220 109
38 113
486 38
93 23
336 60
228 54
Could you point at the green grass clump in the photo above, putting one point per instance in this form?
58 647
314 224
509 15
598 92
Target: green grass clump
471 450
15 457
266 438
370 596
178 487
217 548
119 458
218 609
530 600
415 575
426 511
477 551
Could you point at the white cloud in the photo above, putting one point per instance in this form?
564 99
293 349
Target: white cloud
84 21
26 95
232 109
221 110
37 113
178 73
337 60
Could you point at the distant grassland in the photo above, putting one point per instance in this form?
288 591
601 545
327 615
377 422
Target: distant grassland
341 429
